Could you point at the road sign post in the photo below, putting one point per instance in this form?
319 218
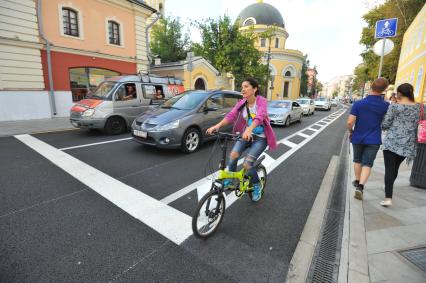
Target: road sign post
384 29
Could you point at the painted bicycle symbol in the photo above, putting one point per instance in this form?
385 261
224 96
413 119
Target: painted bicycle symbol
386 31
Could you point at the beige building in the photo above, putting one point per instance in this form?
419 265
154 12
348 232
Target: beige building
340 85
285 64
53 52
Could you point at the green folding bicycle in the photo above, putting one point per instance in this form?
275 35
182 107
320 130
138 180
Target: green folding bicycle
211 208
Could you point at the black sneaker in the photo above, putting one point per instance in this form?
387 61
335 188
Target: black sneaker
359 191
355 183
358 194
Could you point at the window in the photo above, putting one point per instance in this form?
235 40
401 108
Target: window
84 80
215 101
230 100
287 74
277 42
126 92
262 42
70 22
114 33
249 22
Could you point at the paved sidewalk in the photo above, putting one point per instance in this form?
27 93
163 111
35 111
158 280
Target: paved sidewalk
34 126
374 236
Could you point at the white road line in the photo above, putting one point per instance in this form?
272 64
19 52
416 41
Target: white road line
169 222
204 184
289 143
303 135
92 144
312 129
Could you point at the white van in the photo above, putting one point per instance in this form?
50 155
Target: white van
117 101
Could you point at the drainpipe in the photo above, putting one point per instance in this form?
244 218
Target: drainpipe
147 36
49 60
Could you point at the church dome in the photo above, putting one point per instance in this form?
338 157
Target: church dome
261 14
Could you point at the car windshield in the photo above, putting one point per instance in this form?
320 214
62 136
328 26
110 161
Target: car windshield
303 101
280 104
103 91
321 99
185 101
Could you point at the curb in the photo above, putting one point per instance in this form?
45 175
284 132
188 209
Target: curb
303 255
354 258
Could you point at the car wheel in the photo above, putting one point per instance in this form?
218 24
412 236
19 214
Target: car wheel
115 125
313 112
287 122
191 140
300 118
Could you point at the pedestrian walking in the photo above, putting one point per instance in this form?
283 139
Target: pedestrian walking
365 134
400 140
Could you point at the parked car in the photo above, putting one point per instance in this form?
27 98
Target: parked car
182 121
322 103
117 101
334 102
308 105
284 112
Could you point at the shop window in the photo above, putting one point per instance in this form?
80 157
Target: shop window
114 33
84 80
70 22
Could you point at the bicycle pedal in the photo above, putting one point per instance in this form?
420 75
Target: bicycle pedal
238 193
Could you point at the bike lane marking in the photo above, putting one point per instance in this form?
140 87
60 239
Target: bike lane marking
203 185
92 144
169 222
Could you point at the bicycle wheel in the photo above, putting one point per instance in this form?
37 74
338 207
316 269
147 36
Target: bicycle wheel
261 172
208 215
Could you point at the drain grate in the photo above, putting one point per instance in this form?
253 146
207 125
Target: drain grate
416 256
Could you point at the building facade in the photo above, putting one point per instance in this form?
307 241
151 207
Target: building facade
339 86
412 61
198 74
285 64
56 51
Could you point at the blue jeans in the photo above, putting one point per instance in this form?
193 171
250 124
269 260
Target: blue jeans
255 149
365 154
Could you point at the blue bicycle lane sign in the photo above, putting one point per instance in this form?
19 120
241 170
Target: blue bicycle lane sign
386 28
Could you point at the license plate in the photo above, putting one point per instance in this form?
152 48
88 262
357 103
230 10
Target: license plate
140 133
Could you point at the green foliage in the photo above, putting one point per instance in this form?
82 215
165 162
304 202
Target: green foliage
335 94
304 77
405 11
168 40
229 50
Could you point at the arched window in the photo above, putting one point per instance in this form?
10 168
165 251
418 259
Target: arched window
114 32
249 22
70 22
200 84
287 74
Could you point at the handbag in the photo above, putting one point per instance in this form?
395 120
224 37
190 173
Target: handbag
421 131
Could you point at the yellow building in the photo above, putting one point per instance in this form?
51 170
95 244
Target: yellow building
200 74
412 61
285 64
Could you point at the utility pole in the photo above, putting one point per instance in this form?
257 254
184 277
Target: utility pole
268 60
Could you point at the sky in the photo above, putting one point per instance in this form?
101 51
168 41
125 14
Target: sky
327 30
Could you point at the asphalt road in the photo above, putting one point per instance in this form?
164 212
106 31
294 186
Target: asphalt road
55 227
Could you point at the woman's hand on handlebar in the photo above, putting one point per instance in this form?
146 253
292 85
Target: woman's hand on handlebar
247 135
212 130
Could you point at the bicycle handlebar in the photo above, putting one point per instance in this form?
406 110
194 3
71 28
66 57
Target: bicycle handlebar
228 135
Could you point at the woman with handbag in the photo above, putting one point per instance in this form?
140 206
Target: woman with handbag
400 141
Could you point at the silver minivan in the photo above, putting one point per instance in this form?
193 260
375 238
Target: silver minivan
117 101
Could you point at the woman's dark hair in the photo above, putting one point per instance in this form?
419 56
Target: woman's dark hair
254 84
406 90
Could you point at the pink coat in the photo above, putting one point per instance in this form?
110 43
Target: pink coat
261 119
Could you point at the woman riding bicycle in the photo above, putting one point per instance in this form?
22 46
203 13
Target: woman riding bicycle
251 118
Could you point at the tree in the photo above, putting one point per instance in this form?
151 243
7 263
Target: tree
319 87
168 40
405 11
304 77
229 50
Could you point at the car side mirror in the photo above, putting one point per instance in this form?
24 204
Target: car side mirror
208 109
